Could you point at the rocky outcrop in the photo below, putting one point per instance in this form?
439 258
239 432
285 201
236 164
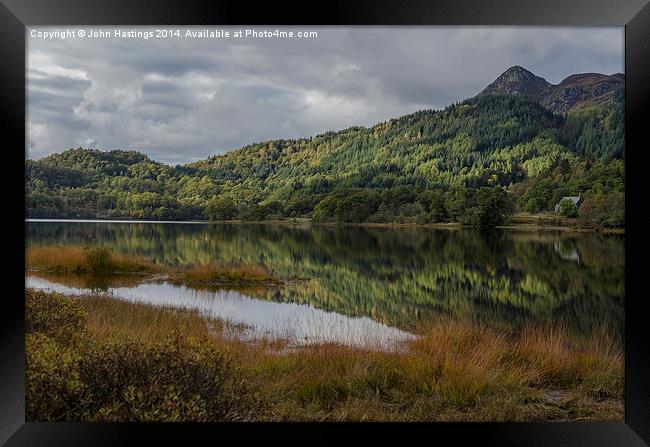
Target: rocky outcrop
578 90
518 81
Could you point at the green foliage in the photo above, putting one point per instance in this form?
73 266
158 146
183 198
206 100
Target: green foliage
568 208
603 210
53 315
97 258
542 193
494 207
221 209
435 204
88 380
505 276
403 170
597 132
347 206
254 212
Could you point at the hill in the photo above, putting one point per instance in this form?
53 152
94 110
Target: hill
472 162
578 90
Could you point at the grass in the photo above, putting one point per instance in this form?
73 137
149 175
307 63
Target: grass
116 321
458 369
217 274
97 262
524 220
85 259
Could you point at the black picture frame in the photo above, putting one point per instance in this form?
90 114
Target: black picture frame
15 15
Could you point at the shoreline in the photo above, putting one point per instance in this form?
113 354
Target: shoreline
437 377
309 222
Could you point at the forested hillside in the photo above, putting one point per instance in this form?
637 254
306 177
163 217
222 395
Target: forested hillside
473 162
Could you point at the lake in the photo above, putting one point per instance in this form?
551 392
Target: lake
365 286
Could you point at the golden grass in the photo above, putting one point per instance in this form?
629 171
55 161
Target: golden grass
216 274
115 321
74 259
78 260
459 369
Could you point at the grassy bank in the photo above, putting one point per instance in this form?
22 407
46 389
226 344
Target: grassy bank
164 364
102 262
556 221
541 221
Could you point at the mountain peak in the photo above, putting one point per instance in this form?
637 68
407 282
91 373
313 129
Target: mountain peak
516 80
574 91
517 72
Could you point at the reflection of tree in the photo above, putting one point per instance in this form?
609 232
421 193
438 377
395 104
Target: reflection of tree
396 276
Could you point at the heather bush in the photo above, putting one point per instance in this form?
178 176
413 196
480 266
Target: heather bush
97 258
53 315
169 381
71 377
53 388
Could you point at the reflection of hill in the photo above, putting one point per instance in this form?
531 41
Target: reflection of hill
396 276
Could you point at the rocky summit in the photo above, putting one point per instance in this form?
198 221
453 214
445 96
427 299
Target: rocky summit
577 90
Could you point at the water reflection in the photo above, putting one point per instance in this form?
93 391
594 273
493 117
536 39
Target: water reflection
399 277
299 324
567 253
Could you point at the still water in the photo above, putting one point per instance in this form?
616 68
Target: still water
368 286
254 319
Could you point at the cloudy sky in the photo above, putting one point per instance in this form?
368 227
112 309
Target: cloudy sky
183 99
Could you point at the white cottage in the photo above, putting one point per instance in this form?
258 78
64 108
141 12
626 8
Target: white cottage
577 201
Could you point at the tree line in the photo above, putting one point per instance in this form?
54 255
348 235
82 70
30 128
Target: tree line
473 162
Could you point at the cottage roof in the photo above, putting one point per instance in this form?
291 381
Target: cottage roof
574 199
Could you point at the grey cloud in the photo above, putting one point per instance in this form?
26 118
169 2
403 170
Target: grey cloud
179 100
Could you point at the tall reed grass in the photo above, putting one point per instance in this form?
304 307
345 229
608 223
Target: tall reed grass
85 259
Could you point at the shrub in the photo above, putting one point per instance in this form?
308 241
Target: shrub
127 381
87 259
568 208
167 381
215 274
98 258
53 389
53 315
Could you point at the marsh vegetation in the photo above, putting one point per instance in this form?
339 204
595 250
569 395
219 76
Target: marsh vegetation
97 359
99 260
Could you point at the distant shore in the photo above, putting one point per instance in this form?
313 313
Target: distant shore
516 225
